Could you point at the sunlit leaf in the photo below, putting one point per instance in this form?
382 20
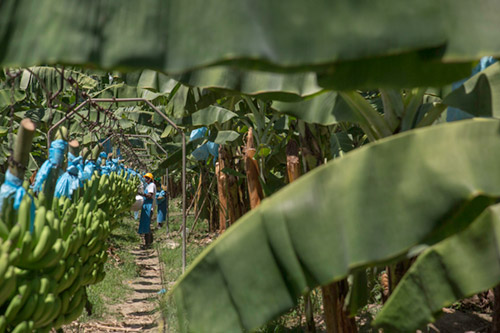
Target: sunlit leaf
313 232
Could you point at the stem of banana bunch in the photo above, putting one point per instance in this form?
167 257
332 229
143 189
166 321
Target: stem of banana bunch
22 148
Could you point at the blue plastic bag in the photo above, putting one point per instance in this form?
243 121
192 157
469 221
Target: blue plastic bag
56 158
69 181
115 165
13 187
105 170
213 149
201 153
205 150
88 170
198 133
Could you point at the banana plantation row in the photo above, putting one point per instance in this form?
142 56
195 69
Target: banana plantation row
322 149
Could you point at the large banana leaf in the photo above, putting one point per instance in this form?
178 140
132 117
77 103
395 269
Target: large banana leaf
208 116
459 266
146 84
150 80
274 86
403 70
6 97
176 36
325 109
366 208
226 136
49 78
479 95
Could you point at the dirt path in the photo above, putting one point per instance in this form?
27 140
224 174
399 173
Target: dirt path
138 312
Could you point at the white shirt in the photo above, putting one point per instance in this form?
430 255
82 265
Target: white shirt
151 188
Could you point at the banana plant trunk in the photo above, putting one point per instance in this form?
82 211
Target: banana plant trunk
336 319
334 294
198 195
221 189
252 171
293 172
233 209
495 325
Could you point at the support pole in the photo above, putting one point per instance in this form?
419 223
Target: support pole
183 202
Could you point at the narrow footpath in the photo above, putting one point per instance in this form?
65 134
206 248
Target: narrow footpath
138 312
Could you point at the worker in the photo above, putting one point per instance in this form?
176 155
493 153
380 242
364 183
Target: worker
149 195
162 206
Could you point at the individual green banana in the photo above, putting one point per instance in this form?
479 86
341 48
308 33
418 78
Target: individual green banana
45 242
65 298
40 200
86 210
58 322
70 244
80 236
68 278
50 219
51 258
94 245
4 265
58 271
55 209
76 312
46 286
18 302
3 323
49 306
79 208
77 298
26 249
84 253
24 215
13 308
4 231
15 235
39 309
14 256
28 308
100 276
56 225
9 214
67 222
76 284
8 288
53 315
39 222
88 221
22 327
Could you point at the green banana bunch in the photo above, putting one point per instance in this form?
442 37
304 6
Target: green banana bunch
45 269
